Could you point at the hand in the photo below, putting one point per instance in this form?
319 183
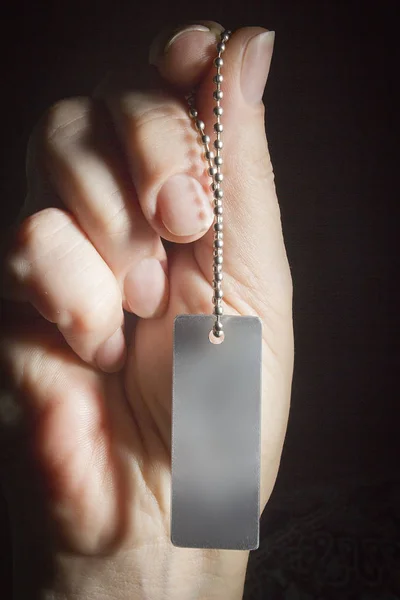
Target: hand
109 178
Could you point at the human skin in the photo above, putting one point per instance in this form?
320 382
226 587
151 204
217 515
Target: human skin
85 256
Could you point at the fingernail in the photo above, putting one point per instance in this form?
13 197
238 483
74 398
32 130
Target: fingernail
184 206
164 41
110 357
255 66
146 288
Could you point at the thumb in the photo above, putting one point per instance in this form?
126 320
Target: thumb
253 240
256 273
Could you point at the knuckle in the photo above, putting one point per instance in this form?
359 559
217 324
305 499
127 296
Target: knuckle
157 135
102 313
64 121
59 124
116 221
33 241
154 120
36 231
61 119
148 118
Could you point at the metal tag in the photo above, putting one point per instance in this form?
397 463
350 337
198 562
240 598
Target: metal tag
216 415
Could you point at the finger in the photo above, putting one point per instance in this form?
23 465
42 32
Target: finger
72 418
254 248
199 50
164 158
162 147
75 152
53 265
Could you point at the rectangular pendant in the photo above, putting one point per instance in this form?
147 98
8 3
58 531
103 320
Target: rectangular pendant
216 417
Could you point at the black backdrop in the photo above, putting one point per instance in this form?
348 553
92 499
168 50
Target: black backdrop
331 527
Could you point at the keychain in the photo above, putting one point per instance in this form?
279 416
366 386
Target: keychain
216 398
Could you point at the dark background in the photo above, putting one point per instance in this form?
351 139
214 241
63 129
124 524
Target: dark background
331 529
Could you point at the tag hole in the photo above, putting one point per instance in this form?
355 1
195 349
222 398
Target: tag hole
214 339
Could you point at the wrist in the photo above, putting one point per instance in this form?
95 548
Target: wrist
150 574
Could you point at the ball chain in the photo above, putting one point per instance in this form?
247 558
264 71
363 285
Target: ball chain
215 161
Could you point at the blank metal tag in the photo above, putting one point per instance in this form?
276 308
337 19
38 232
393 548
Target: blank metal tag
216 415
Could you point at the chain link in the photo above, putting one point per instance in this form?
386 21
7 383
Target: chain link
215 161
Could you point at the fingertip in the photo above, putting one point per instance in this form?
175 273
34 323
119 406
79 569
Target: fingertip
111 355
166 38
184 207
183 56
146 288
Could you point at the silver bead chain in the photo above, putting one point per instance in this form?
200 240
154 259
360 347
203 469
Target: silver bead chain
214 160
